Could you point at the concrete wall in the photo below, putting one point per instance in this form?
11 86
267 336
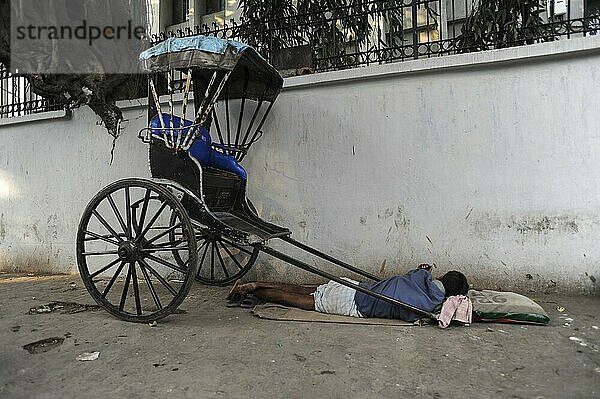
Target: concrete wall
49 170
487 163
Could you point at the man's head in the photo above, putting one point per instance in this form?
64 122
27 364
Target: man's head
455 283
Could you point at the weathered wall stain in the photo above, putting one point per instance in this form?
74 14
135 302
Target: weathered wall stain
544 224
2 228
400 220
486 224
32 231
52 230
40 263
387 213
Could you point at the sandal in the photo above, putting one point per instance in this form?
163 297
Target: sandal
235 300
249 301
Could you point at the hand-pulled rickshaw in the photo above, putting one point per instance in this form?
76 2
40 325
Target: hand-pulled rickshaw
142 242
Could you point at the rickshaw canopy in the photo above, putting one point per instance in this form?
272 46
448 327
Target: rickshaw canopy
251 77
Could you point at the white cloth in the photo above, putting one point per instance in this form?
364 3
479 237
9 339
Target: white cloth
335 298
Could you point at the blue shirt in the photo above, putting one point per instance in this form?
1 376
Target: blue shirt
415 288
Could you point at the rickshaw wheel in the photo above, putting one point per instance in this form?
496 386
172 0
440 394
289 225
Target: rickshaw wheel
221 260
125 252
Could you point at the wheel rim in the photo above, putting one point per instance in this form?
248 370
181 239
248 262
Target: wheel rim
125 250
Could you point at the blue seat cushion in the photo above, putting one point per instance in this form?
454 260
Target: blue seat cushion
201 148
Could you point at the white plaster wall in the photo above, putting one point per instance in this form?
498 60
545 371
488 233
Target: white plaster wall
492 168
49 170
487 163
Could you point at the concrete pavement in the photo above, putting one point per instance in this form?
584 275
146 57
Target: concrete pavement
211 351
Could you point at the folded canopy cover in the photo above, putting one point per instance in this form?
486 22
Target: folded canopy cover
251 75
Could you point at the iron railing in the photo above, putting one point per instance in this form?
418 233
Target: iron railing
312 37
17 98
382 31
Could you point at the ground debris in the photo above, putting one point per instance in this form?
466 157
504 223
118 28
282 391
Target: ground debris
43 345
72 287
299 358
64 307
88 356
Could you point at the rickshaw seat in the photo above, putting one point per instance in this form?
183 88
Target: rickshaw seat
201 148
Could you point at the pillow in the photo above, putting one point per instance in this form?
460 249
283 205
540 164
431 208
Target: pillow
506 307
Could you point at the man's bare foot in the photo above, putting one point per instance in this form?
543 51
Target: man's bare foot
234 289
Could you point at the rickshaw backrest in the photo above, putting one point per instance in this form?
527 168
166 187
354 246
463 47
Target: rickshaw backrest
201 147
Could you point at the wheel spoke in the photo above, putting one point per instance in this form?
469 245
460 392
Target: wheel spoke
105 268
101 253
128 209
165 263
125 289
221 260
232 257
136 289
105 224
201 246
100 237
158 276
212 261
112 280
151 287
164 233
153 219
117 213
203 256
143 215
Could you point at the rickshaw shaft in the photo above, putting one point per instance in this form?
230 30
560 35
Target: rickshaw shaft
329 258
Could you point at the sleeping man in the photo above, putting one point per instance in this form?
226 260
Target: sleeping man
417 288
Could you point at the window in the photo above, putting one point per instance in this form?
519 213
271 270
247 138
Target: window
213 6
181 10
592 7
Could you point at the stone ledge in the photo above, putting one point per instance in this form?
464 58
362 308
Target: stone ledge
42 116
567 47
